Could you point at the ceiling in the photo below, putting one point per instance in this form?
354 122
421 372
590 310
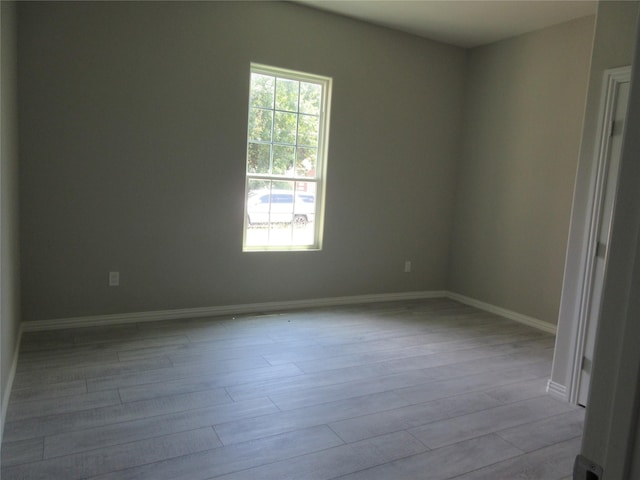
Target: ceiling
465 23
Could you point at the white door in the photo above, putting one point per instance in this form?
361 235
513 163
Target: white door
610 163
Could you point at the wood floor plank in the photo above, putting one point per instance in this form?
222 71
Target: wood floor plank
232 458
284 384
493 364
545 432
50 391
99 352
112 434
222 352
67 358
86 464
140 341
53 375
221 364
54 406
460 368
225 377
38 341
443 463
22 451
550 463
337 461
516 392
248 429
454 430
462 385
404 418
411 360
300 398
149 386
69 422
104 334
405 344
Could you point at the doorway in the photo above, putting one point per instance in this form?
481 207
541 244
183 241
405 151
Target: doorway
608 151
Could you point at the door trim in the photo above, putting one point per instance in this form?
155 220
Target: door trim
612 79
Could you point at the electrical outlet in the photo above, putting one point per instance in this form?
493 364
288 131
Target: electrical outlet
407 266
114 279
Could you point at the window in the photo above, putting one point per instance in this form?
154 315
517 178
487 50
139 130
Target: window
286 159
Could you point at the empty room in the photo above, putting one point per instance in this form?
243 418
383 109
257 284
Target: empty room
318 240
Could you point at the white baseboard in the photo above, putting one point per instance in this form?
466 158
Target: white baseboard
6 394
518 317
176 314
557 390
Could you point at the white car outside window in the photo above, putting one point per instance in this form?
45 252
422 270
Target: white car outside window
280 206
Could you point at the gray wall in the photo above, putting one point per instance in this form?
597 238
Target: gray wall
613 47
9 293
133 121
524 109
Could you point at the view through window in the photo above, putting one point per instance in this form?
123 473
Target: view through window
286 159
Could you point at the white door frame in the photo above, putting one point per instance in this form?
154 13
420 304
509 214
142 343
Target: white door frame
612 78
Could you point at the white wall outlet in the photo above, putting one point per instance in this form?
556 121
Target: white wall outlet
407 266
114 279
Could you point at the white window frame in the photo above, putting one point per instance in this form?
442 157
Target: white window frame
320 167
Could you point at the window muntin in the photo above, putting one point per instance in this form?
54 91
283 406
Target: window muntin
286 159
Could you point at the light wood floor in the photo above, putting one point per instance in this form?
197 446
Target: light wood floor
413 390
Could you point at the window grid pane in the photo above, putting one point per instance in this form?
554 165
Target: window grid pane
262 90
